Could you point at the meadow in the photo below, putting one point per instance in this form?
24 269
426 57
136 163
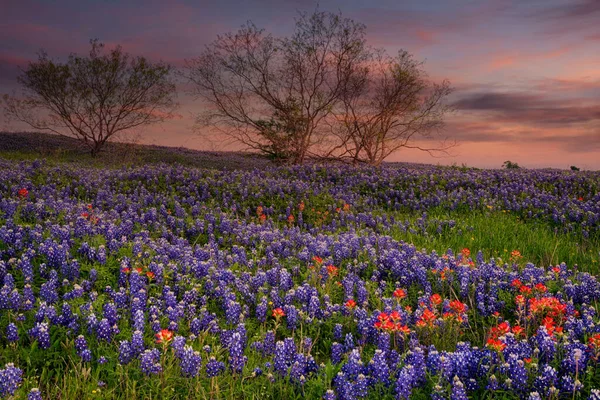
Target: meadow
310 282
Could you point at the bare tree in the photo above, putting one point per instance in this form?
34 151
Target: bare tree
93 98
387 104
274 94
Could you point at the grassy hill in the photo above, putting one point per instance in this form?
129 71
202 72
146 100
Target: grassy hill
55 148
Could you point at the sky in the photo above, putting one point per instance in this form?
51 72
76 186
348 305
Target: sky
525 73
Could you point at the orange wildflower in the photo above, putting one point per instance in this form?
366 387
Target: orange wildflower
164 336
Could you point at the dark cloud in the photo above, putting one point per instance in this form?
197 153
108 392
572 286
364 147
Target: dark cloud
573 16
528 108
497 101
571 9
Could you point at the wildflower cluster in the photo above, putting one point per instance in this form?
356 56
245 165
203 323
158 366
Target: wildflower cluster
291 278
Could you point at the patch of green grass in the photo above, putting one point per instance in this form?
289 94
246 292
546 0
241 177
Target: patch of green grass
497 234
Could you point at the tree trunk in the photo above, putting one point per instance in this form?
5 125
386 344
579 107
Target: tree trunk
96 149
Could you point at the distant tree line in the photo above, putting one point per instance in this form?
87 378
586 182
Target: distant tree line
320 93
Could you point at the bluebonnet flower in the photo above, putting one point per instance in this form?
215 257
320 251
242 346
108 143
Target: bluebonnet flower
349 342
343 387
82 348
150 362
361 386
353 366
10 379
545 343
34 394
41 333
379 368
268 344
517 374
545 379
291 316
337 331
280 361
261 310
237 360
214 367
190 362
126 352
12 333
337 352
137 343
458 390
178 343
492 384
104 330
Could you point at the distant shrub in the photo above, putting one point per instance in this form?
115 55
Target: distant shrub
510 165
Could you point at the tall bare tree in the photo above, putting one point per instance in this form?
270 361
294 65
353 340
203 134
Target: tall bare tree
93 98
386 106
274 94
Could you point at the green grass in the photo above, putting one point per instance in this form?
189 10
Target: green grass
497 234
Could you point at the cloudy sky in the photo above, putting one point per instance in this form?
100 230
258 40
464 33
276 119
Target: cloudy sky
526 73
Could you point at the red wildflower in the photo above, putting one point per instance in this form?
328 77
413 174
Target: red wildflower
332 270
466 252
540 287
399 294
496 344
278 313
457 306
383 317
594 342
317 260
516 283
548 306
23 193
520 299
291 219
499 330
517 330
150 275
389 326
556 270
350 303
436 299
395 316
164 336
428 316
402 329
525 289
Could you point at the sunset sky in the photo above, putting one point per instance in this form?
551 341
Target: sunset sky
526 73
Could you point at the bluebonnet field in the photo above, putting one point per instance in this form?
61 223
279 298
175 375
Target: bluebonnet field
175 282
